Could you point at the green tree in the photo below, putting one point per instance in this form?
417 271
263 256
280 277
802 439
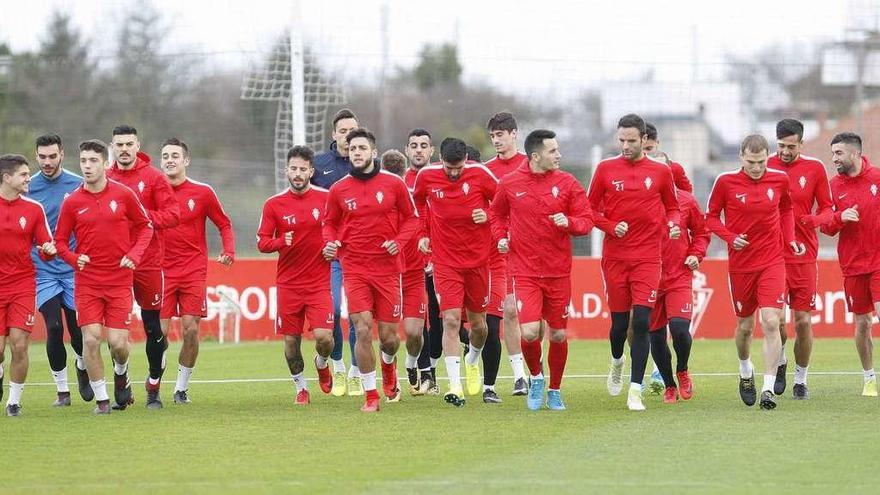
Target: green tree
438 66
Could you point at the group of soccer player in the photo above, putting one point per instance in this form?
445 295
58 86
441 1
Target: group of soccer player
459 244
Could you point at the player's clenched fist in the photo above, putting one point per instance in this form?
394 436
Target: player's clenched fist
503 246
621 229
560 220
480 216
330 250
82 261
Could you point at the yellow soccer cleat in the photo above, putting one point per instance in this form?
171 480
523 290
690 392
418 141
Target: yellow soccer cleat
870 388
340 385
355 387
473 378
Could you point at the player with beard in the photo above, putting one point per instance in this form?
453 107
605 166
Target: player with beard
369 219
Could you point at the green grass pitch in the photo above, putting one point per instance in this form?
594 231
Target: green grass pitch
248 437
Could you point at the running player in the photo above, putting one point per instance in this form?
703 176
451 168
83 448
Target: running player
758 228
186 257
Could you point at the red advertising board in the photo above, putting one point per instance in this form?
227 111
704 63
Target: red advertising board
246 292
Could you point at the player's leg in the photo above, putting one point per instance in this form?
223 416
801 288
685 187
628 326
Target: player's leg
149 291
513 344
389 344
323 348
619 300
92 357
680 328
414 329
491 358
772 346
450 289
803 348
745 326
639 351
18 369
477 340
658 383
339 378
663 358
295 364
387 296
76 341
529 304
55 350
434 343
556 294
363 324
120 350
865 348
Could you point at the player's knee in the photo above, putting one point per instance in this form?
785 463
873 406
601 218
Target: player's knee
802 322
19 347
91 340
640 319
530 333
557 335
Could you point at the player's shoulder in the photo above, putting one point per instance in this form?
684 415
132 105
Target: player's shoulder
319 191
777 175
610 161
812 161
479 168
341 184
726 177
202 187
32 204
428 171
120 188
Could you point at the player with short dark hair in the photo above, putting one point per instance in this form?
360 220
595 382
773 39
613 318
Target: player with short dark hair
291 225
758 228
537 210
812 207
369 219
627 193
134 169
22 225
185 264
55 288
457 234
856 222
112 232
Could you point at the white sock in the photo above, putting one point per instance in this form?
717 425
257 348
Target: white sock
153 381
635 386
745 368
300 381
540 375
618 361
869 374
99 387
434 362
120 368
453 371
369 381
183 374
800 374
15 390
488 387
518 365
387 358
80 363
782 358
769 380
338 365
353 372
411 361
320 362
60 378
473 355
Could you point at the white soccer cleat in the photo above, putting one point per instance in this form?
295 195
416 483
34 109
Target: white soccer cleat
634 400
615 378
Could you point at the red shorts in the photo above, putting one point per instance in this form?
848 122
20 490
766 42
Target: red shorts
378 293
672 303
107 306
17 311
415 297
761 289
466 288
630 283
148 290
801 284
498 289
543 299
295 305
184 298
862 292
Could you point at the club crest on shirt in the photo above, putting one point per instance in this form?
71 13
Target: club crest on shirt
191 204
803 182
466 188
315 213
648 182
22 222
555 192
113 206
873 189
380 197
141 187
770 194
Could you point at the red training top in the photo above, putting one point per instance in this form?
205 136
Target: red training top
23 224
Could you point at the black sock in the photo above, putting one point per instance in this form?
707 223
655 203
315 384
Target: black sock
681 341
640 346
51 311
156 342
617 334
435 321
492 350
662 356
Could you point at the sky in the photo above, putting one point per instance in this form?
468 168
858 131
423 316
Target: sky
522 46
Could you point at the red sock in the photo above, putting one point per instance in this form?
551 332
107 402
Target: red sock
556 358
532 355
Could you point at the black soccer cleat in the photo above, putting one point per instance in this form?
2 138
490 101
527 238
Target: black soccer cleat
779 384
13 410
153 400
747 390
800 392
62 400
180 397
85 388
122 393
102 407
490 397
768 400
520 387
454 399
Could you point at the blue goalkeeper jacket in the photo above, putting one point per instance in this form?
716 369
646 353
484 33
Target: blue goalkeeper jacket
51 193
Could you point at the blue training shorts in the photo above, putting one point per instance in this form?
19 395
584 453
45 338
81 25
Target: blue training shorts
48 287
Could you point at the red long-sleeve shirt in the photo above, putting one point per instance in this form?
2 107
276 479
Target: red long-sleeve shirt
108 225
633 192
522 208
154 192
500 167
455 239
186 248
364 213
300 265
694 241
858 244
682 183
808 186
761 209
23 224
413 258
